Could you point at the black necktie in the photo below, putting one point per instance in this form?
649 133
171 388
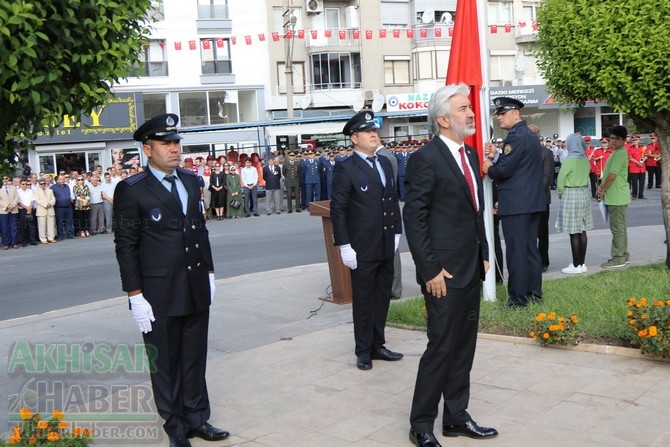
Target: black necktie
372 160
173 189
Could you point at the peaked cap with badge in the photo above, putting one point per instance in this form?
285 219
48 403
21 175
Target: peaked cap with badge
504 104
361 121
162 127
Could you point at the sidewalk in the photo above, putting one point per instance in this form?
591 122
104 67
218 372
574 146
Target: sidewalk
282 375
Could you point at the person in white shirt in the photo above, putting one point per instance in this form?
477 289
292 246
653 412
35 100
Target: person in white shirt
26 214
97 215
108 200
250 183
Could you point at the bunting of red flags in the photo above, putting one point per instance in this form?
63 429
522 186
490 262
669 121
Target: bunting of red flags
345 34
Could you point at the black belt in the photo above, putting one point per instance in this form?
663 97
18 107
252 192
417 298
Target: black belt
585 186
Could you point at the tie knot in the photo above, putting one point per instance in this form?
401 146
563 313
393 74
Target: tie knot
372 158
169 178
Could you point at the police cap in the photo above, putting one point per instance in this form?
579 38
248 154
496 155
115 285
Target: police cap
504 104
162 127
359 122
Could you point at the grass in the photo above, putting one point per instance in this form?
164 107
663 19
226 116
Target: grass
598 300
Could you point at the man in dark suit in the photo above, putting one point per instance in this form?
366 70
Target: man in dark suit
272 177
163 251
444 225
367 228
521 201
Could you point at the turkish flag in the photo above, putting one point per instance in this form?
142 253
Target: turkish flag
191 45
368 34
438 32
382 34
328 33
535 26
396 33
314 33
219 42
289 34
423 32
261 37
522 24
247 40
177 46
451 31
206 44
233 40
410 33
343 34
494 29
508 28
301 34
275 36
356 34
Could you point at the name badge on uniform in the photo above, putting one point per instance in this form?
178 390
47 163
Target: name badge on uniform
155 214
364 186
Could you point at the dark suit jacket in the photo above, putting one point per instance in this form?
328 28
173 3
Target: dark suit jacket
365 213
518 173
272 177
547 172
442 229
160 250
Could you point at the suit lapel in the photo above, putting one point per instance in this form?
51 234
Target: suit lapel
157 189
367 170
455 170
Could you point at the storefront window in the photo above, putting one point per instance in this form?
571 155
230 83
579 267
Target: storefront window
75 161
47 164
193 109
93 160
154 104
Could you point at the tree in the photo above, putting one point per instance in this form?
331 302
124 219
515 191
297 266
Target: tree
616 51
61 57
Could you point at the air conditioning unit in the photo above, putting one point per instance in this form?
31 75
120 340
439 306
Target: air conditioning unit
314 7
508 83
369 95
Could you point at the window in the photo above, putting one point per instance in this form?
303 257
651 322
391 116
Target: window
193 108
154 104
330 19
212 9
215 56
395 14
221 110
206 108
431 64
501 67
279 19
396 70
500 13
336 70
529 13
298 77
154 59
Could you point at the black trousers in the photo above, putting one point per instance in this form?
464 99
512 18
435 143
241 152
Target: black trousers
543 237
178 371
27 228
371 284
444 368
636 182
524 265
500 261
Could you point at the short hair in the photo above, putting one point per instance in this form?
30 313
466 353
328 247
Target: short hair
439 103
619 131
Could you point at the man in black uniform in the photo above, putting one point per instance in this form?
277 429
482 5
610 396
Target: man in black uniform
163 251
367 228
518 174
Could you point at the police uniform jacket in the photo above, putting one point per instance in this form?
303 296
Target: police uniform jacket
311 169
518 173
365 213
160 250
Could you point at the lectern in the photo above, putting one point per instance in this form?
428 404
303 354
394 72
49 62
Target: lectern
340 277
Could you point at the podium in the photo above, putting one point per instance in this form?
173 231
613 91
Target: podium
340 276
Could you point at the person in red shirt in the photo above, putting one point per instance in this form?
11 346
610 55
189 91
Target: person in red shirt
653 162
636 167
595 156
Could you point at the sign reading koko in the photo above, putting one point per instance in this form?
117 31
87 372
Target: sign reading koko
407 102
115 120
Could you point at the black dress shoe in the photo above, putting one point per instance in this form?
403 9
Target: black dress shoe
209 433
179 442
363 362
423 439
386 354
470 429
545 268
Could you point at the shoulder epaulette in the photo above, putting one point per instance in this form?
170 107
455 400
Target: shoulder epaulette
134 178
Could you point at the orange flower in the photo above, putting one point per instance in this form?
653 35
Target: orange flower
630 301
643 301
25 413
632 322
551 316
53 436
62 425
541 316
658 303
553 327
630 313
32 441
16 431
87 431
14 440
652 331
667 303
76 431
642 333
42 425
58 415
643 316
574 319
561 319
545 335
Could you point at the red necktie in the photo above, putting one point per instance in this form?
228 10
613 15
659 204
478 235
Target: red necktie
468 177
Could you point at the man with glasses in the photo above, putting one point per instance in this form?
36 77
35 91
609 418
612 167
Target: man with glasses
26 220
97 214
63 207
108 187
8 211
45 212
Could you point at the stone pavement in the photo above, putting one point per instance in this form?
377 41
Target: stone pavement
282 370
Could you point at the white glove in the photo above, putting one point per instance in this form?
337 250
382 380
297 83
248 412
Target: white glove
212 288
142 312
396 243
348 256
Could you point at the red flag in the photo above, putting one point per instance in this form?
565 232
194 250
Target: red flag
465 65
206 44
382 34
437 31
423 32
301 34
368 34
219 42
508 28
343 34
522 24
410 33
356 34
233 40
275 36
396 33
247 40
177 46
314 33
451 31
494 29
261 37
535 26
328 33
289 34
191 45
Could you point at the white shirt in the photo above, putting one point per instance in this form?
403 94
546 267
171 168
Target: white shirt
95 193
25 197
454 149
249 176
108 188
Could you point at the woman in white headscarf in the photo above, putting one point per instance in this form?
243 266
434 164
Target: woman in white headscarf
575 216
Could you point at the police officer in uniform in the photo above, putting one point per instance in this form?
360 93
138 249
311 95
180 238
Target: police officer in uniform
367 227
518 174
163 251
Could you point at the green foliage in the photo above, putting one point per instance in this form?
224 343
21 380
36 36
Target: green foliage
61 57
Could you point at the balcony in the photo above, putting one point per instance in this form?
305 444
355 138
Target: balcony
334 41
218 12
156 69
214 19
